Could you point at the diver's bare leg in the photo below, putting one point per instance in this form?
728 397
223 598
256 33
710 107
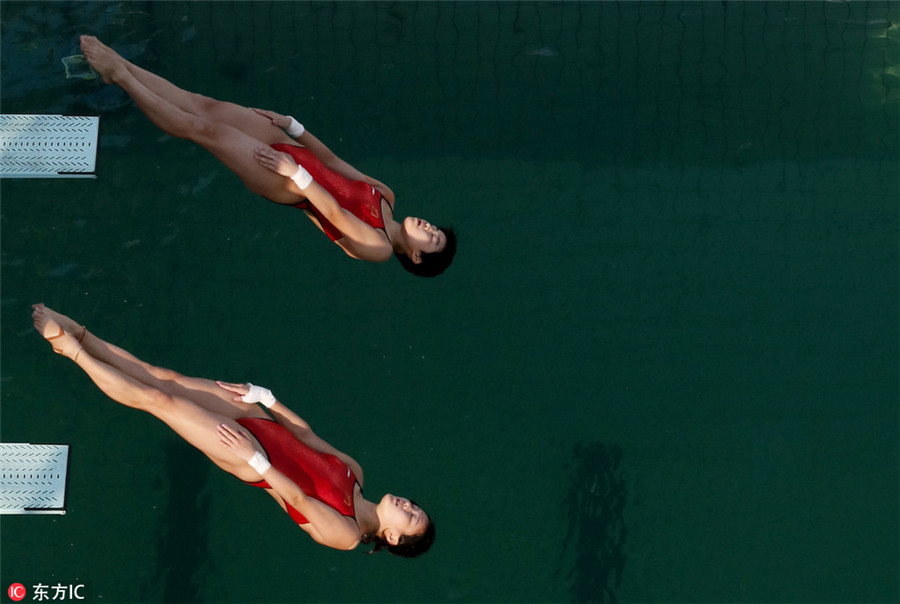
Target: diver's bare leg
237 116
203 392
229 145
190 421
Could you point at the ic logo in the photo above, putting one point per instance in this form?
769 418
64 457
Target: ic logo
16 592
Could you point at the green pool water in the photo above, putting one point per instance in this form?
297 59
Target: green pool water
663 367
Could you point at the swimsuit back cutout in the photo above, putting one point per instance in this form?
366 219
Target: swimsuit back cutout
357 197
321 476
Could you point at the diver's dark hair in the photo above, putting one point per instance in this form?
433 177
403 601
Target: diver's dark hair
409 546
435 263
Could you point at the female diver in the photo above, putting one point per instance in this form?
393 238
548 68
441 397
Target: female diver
352 209
317 485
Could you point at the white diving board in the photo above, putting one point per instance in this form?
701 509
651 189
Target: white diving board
48 146
33 478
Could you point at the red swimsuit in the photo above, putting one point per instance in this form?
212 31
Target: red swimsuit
322 476
357 197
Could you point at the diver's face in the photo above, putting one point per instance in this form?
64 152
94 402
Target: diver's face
424 237
400 516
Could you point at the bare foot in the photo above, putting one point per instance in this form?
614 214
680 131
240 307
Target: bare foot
70 325
103 59
63 343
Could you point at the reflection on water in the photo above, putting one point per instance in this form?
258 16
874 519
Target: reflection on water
594 506
183 532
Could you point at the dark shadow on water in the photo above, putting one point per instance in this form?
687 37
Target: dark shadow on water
183 534
594 506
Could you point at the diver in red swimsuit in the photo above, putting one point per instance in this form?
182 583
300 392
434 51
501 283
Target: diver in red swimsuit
318 485
243 138
322 476
359 198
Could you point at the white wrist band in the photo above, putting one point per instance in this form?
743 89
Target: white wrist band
258 394
259 463
296 129
302 178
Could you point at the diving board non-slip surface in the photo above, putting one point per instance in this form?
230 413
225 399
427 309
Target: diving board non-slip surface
48 146
33 478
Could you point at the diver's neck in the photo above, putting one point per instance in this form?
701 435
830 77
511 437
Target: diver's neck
367 516
397 236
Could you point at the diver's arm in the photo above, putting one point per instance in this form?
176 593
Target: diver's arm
295 130
296 425
284 164
330 160
326 525
330 527
363 241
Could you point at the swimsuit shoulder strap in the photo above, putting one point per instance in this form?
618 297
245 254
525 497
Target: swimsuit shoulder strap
382 202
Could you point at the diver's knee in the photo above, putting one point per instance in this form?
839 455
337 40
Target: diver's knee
157 402
202 129
163 374
204 105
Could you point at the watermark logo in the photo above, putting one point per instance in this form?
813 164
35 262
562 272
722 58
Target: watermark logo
41 592
16 592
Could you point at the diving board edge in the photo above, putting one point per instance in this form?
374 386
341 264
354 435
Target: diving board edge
49 146
34 478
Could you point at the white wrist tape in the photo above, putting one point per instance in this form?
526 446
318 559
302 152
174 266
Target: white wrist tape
258 394
302 178
296 129
259 463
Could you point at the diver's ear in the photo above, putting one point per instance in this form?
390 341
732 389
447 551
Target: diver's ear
391 536
416 257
